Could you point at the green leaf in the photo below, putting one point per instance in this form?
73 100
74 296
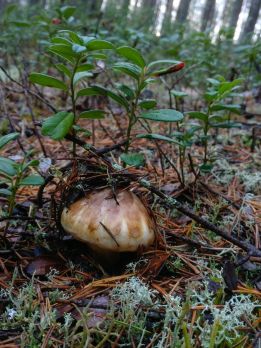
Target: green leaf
163 115
8 9
63 51
62 48
129 69
63 68
206 168
32 163
235 108
61 40
85 39
169 70
68 11
5 192
217 118
7 138
133 159
211 95
68 57
46 80
96 55
7 166
58 125
148 104
132 54
228 86
85 67
92 114
34 180
97 90
152 136
213 81
178 94
96 44
198 115
78 48
226 124
84 131
20 24
163 61
126 90
81 75
75 38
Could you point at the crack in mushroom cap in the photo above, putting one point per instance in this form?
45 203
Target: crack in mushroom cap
98 220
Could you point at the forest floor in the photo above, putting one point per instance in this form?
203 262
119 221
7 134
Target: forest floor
193 288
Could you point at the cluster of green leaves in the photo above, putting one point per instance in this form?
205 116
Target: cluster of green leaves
218 111
78 54
14 174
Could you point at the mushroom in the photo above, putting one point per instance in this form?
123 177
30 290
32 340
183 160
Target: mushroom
108 225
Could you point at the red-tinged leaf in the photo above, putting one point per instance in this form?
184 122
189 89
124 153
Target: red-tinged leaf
169 70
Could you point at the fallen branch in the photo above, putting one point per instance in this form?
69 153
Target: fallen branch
173 203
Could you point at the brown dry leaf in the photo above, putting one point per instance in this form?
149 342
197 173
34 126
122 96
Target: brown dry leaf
41 265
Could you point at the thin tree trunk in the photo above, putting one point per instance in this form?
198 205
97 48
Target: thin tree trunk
93 6
226 15
251 19
2 5
149 13
236 9
125 8
183 11
208 14
166 24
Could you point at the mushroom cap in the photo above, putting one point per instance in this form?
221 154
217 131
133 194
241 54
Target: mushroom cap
98 220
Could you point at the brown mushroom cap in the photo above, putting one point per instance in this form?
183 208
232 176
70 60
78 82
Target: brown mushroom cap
98 220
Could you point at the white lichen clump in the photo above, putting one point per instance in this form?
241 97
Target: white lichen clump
224 172
133 293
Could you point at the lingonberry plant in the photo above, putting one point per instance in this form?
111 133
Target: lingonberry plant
130 97
78 54
14 174
217 115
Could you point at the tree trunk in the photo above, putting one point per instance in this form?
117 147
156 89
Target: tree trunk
183 11
226 14
236 9
96 6
208 14
2 5
125 8
166 24
251 19
149 13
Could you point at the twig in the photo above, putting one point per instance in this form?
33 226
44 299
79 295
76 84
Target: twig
110 233
173 203
36 95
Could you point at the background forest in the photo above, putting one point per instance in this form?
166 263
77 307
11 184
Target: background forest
157 101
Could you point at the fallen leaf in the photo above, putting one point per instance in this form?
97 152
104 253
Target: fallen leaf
41 265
